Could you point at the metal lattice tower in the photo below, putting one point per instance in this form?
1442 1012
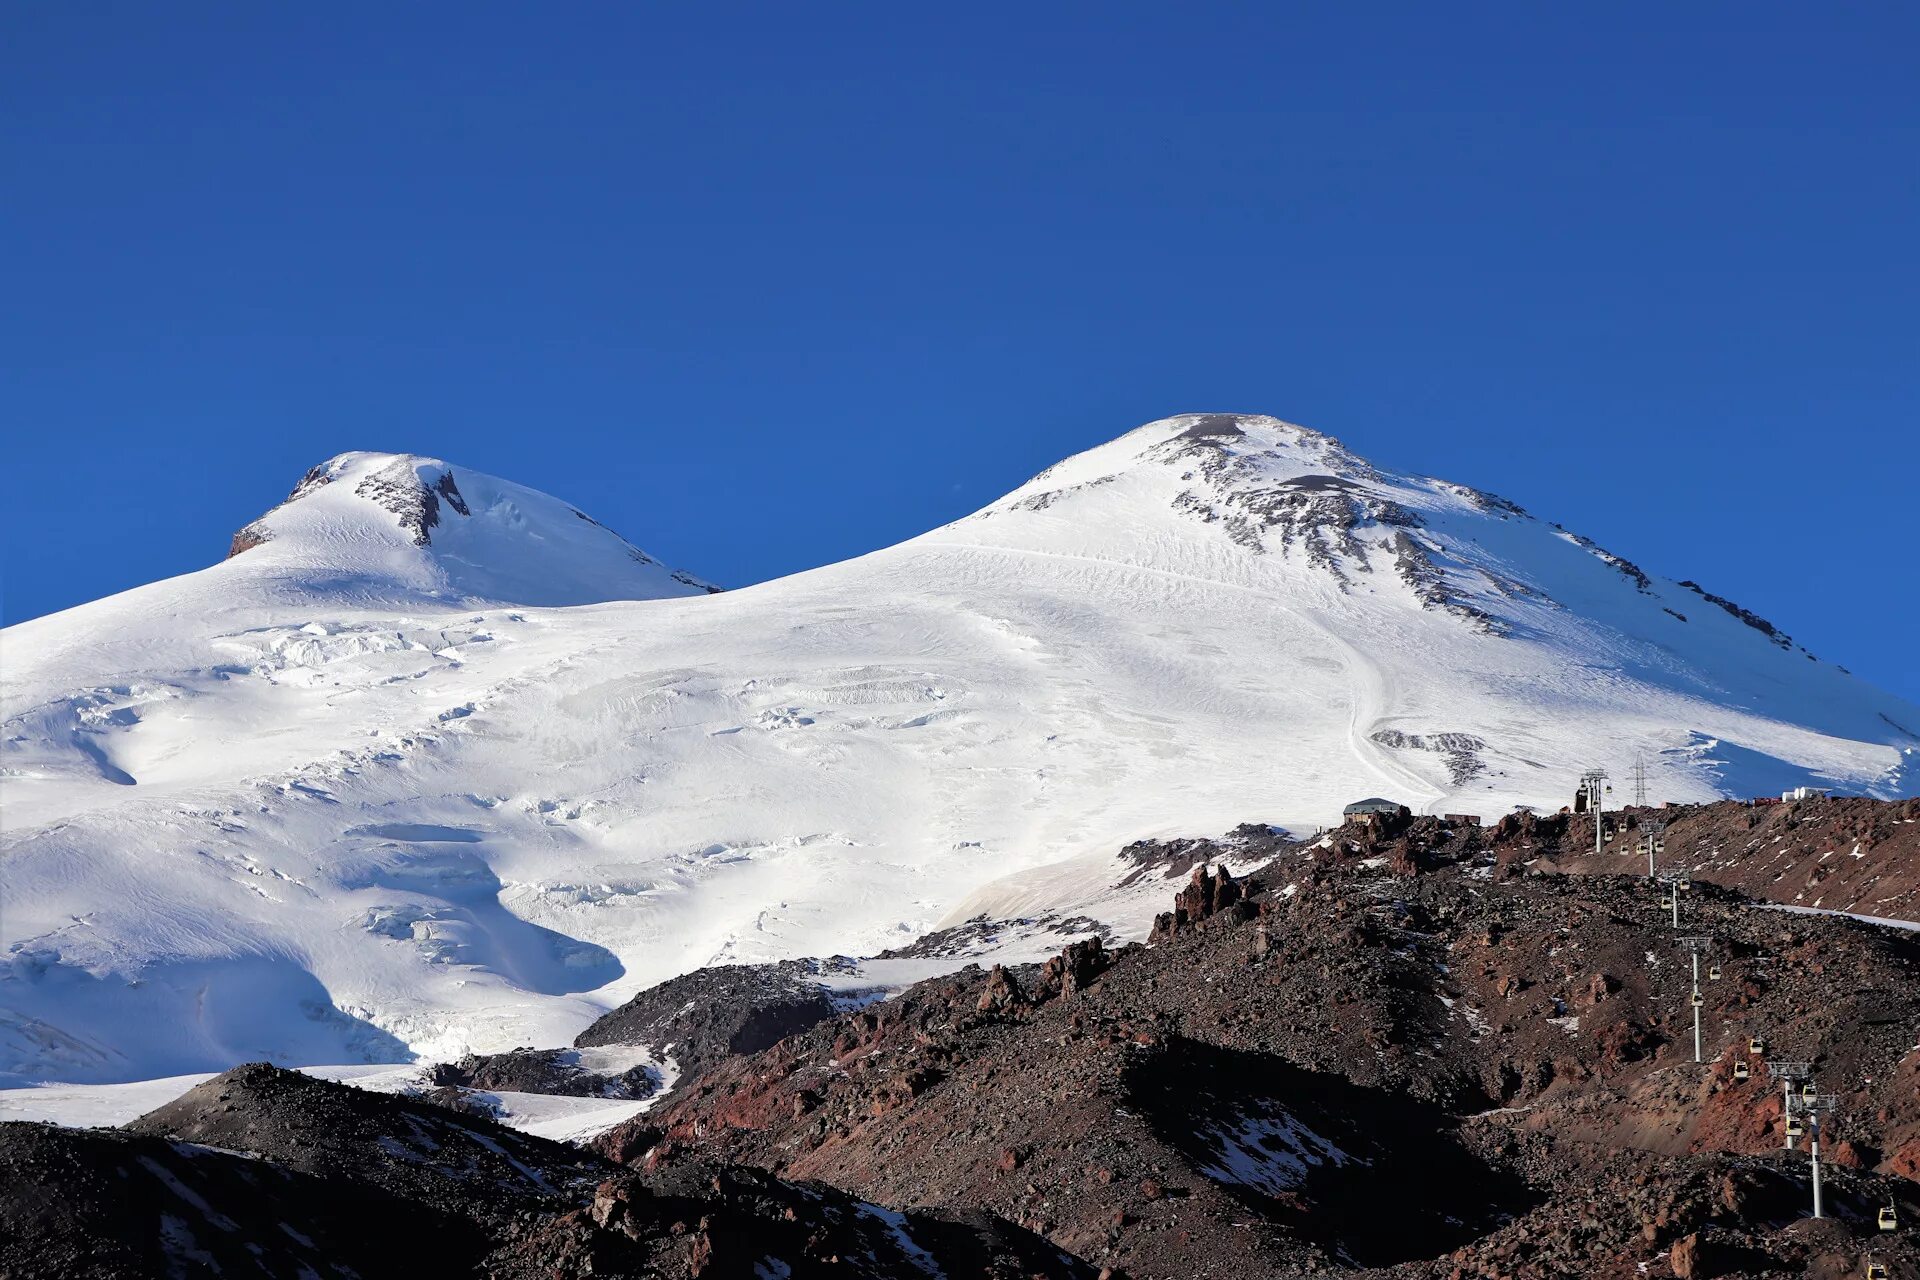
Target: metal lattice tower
1639 782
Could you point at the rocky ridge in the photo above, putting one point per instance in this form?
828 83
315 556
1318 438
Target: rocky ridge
311 1178
702 1017
1407 1020
1412 1047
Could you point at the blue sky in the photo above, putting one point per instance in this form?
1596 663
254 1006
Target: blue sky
767 286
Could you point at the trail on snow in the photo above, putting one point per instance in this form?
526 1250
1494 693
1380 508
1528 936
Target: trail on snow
1370 690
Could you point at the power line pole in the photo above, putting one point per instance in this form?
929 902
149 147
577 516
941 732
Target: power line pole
1594 783
1695 945
1640 782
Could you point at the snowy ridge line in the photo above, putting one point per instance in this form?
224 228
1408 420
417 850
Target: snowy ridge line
350 795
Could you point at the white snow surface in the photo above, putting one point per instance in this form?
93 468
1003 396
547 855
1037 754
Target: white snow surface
351 797
1271 1152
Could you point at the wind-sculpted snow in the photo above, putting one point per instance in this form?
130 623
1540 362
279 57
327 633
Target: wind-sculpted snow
350 795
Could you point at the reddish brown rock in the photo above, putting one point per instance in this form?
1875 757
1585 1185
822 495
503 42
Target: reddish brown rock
1074 969
1002 994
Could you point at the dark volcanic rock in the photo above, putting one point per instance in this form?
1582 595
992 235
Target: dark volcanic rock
1206 895
1076 968
708 1220
400 489
1002 994
1311 1152
555 1071
246 539
711 1014
254 534
452 1162
1411 1049
114 1205
105 1205
1250 842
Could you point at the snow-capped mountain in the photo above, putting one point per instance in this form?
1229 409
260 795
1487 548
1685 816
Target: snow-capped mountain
397 527
434 762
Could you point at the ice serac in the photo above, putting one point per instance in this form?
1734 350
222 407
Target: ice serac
376 785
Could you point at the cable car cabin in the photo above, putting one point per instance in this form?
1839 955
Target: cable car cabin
1713 973
1794 1128
1756 1046
1807 1092
1740 1071
1889 1220
1697 1000
1668 903
1876 1271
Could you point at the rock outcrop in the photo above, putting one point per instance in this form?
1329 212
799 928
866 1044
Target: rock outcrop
1404 1049
715 1013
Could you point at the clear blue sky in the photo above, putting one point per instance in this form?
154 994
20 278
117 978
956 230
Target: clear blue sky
764 286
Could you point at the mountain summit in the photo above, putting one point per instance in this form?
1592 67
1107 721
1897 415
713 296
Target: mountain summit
1287 492
349 795
416 522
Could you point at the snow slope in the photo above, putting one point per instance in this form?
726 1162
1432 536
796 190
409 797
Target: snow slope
351 796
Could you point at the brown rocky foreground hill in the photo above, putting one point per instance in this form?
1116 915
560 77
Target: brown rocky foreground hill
1409 1049
1412 1049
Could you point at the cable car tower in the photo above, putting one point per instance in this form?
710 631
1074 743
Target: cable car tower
1790 1074
1652 842
1695 945
1677 882
1593 784
1813 1106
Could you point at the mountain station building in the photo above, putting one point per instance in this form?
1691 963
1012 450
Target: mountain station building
1372 804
